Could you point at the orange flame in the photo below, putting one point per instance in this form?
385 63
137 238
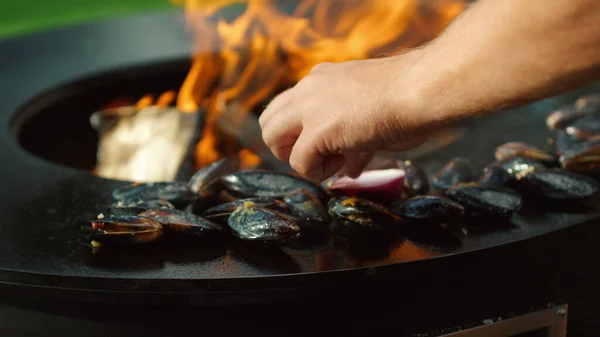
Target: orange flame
250 58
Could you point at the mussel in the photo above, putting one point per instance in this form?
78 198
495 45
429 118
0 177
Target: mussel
176 193
305 205
203 181
141 204
591 101
575 154
353 211
253 223
501 173
416 181
125 230
525 150
183 223
429 208
263 183
566 115
586 128
556 184
457 170
220 213
479 201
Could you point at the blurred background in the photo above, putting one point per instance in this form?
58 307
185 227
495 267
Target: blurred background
21 17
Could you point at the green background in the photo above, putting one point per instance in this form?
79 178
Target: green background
25 16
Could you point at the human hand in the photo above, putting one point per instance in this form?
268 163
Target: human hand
340 114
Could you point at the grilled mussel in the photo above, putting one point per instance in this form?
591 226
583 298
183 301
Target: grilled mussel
254 223
220 213
353 211
555 184
204 180
479 201
429 208
182 223
305 205
501 173
125 230
176 193
525 150
416 181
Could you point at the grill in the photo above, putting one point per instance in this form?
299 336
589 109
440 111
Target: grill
430 284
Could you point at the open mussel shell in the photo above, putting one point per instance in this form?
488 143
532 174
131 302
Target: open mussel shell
253 223
429 209
555 184
455 171
416 181
176 193
525 150
307 206
263 183
182 223
125 230
479 201
222 212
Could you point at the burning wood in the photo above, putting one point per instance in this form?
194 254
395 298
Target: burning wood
145 145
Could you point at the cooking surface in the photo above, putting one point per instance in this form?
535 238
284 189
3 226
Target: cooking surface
43 206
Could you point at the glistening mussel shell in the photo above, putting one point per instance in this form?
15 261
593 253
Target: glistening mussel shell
178 194
479 201
575 154
202 182
264 183
183 223
566 115
250 222
126 230
457 170
429 208
305 205
501 173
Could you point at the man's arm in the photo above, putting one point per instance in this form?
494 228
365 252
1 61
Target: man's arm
504 53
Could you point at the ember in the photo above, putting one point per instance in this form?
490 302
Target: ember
240 63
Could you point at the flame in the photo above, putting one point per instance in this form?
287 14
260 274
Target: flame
250 58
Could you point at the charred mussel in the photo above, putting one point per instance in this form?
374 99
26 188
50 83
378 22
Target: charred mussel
176 193
182 223
250 222
555 184
307 206
416 181
525 150
125 230
429 208
264 183
220 213
479 201
457 170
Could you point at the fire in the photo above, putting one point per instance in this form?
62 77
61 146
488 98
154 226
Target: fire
271 45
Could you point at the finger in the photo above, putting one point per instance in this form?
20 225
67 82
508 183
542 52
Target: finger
332 165
409 144
306 159
281 133
356 163
274 106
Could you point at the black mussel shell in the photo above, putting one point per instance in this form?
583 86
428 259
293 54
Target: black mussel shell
305 205
525 150
362 212
585 128
203 181
175 221
479 201
429 208
253 223
575 154
126 230
416 181
264 183
556 184
456 171
178 194
591 102
566 115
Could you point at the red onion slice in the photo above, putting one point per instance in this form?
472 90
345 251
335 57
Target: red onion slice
376 185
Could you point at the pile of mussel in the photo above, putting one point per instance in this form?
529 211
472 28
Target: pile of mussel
280 207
